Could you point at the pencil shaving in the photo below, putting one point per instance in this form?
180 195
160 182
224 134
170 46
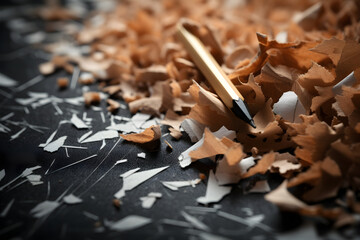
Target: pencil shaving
150 134
314 59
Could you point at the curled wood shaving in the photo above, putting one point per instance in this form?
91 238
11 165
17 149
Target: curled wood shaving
91 98
47 68
150 134
113 105
62 82
262 165
175 133
86 78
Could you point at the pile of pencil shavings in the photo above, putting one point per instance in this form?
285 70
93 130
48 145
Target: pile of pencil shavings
296 64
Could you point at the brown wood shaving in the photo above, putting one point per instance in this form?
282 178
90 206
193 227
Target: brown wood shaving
262 165
150 134
175 133
62 82
169 145
47 68
113 105
91 98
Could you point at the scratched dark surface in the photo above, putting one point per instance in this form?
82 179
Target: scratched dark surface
20 61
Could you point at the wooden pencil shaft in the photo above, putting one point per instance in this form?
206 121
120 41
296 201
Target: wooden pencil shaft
209 67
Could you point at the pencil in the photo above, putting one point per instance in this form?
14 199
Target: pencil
217 78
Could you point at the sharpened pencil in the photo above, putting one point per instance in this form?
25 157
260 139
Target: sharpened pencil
217 78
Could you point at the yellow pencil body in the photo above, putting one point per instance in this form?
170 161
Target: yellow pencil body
217 78
209 67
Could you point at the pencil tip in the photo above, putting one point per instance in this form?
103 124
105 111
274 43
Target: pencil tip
240 109
252 123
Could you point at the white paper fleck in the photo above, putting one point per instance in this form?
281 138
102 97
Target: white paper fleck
7 116
185 159
102 117
17 185
101 135
127 127
175 185
226 174
72 199
74 163
194 129
85 76
41 102
155 194
197 209
75 76
91 215
34 179
4 129
196 223
136 179
48 140
129 223
29 171
349 80
26 101
78 123
2 174
128 173
94 108
36 37
55 145
120 161
121 118
5 81
75 101
16 135
29 83
36 183
112 121
141 155
150 123
57 108
149 200
5 94
260 187
214 192
289 107
247 163
139 119
176 223
253 221
37 94
25 173
103 144
73 147
7 208
84 136
44 208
